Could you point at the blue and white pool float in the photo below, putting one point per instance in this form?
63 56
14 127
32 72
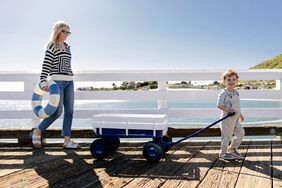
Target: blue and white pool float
53 103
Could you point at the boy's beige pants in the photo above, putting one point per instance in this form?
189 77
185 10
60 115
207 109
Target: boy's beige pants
231 126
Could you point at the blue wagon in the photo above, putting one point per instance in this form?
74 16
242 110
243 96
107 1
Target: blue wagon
111 127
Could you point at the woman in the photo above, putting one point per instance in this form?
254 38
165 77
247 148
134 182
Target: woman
57 64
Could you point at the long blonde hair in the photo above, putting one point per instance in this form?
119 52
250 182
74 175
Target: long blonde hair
57 29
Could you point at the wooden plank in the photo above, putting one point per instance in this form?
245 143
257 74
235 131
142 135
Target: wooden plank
120 177
256 170
194 170
173 132
14 159
55 170
11 157
38 176
117 173
277 163
102 169
8 169
159 173
78 169
224 173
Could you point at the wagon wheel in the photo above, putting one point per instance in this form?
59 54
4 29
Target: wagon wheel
153 151
113 142
99 149
167 140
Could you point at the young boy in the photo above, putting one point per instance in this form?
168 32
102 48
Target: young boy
229 101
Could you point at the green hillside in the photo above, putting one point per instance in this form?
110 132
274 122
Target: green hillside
273 63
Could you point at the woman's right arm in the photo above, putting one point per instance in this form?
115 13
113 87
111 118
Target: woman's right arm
46 67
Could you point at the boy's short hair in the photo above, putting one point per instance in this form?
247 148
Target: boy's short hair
229 73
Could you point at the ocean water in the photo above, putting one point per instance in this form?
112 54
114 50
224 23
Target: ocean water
116 105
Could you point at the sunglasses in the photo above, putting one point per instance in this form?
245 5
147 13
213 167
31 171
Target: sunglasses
67 33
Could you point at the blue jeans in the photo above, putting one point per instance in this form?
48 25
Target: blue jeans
66 101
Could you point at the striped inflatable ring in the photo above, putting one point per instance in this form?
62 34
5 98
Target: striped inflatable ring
54 99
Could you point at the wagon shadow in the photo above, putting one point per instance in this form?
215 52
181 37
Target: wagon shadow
174 166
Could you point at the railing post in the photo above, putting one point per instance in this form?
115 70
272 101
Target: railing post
279 87
162 103
29 87
278 84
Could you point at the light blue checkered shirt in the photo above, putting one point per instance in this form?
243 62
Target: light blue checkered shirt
224 98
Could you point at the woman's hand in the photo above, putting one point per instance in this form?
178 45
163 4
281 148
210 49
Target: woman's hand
45 88
242 118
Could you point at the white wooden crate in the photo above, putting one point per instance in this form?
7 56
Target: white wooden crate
127 122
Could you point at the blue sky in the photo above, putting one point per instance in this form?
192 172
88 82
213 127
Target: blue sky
144 34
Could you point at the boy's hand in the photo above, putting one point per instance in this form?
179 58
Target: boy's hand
231 111
242 118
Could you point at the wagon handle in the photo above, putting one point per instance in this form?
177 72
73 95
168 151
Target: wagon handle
199 131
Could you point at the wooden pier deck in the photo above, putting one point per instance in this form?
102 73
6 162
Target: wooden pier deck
188 164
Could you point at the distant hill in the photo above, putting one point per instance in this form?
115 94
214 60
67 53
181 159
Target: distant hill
273 63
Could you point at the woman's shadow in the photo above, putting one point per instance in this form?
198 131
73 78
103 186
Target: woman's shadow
64 168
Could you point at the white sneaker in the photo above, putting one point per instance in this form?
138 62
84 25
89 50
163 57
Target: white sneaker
227 156
36 140
235 153
71 145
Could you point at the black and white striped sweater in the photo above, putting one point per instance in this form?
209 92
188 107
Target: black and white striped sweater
57 64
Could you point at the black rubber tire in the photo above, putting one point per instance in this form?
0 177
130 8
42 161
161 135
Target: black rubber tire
153 152
113 142
99 149
166 139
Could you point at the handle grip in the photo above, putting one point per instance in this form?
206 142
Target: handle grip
231 114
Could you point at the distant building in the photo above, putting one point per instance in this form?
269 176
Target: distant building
186 85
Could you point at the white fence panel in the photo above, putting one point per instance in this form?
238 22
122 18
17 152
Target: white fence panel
162 94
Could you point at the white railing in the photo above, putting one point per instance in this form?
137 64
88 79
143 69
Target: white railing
162 94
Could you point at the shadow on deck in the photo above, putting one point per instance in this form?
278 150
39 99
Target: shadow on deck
188 164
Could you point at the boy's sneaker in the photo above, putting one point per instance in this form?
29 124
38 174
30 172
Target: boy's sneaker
227 156
235 153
